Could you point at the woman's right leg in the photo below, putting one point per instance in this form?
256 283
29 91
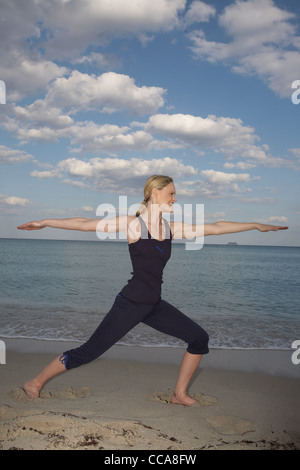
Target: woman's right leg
122 317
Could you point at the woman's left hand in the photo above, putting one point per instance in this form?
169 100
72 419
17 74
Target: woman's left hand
268 228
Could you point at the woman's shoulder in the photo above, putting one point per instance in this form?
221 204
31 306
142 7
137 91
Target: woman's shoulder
133 228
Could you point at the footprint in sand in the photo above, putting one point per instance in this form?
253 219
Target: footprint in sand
203 400
229 425
20 395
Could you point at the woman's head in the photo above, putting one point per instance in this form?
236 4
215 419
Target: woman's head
158 189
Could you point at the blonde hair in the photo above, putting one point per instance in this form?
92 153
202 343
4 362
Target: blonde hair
154 181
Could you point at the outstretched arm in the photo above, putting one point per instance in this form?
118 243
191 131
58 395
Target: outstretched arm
183 230
115 224
220 228
74 223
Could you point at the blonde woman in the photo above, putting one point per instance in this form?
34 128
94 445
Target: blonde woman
150 238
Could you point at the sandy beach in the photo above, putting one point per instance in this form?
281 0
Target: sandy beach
248 399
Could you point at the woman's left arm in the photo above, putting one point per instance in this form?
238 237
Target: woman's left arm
183 230
222 227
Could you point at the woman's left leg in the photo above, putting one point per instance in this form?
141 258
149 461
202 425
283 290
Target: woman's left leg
169 320
33 387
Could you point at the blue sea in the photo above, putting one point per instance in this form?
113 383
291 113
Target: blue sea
243 296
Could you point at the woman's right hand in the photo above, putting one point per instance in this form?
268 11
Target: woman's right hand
35 225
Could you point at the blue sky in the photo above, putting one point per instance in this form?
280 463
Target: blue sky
101 94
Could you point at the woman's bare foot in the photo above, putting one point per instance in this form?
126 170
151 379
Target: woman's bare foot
34 386
31 389
185 400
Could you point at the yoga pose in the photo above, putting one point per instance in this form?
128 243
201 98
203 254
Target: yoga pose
149 237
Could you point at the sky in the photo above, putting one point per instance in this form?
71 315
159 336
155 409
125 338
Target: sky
101 94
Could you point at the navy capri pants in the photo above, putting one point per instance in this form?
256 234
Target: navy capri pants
123 316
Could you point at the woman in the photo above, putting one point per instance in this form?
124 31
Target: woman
149 237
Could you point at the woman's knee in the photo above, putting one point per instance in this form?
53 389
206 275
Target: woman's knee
200 344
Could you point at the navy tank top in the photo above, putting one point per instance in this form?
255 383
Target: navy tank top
148 257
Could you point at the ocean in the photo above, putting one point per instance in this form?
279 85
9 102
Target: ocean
245 297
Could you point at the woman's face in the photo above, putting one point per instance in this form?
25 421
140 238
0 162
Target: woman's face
165 197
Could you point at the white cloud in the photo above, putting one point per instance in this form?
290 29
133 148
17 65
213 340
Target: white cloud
11 156
114 174
44 174
224 179
22 68
91 137
210 132
43 114
239 165
78 184
198 12
109 139
264 43
293 159
217 185
49 119
254 21
279 219
52 118
42 121
88 209
35 35
24 75
295 152
12 204
222 134
15 201
75 25
103 61
108 92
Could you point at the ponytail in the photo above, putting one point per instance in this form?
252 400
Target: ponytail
141 209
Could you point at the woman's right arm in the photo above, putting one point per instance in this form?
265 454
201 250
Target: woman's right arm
116 224
74 223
